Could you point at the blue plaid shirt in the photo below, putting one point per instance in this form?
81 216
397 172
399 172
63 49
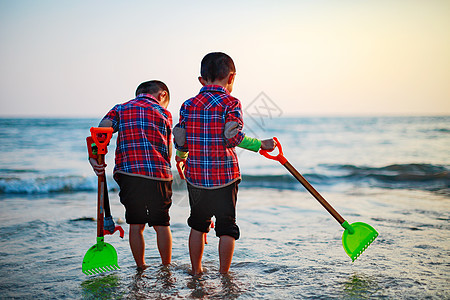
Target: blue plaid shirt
212 160
144 136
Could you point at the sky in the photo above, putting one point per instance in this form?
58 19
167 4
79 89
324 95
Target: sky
307 58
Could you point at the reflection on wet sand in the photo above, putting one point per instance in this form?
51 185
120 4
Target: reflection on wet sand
103 287
359 286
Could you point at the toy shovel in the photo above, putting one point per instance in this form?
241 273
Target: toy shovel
357 236
101 257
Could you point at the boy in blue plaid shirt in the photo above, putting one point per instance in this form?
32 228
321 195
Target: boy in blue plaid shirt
142 165
209 129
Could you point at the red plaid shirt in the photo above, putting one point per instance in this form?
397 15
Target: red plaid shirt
212 160
144 137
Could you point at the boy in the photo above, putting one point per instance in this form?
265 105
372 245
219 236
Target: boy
142 165
209 129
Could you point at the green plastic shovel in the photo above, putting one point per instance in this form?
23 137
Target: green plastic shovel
357 236
101 257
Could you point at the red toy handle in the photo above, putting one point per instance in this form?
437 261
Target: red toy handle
117 228
180 169
101 143
280 157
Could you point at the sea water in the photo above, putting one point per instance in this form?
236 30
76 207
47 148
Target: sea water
389 172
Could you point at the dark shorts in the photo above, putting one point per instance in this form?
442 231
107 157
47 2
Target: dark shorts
145 200
220 203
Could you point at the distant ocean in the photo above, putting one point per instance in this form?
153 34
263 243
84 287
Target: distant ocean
390 172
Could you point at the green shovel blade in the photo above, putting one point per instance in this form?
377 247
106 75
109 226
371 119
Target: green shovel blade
102 257
357 237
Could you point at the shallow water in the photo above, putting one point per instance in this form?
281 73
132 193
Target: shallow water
290 247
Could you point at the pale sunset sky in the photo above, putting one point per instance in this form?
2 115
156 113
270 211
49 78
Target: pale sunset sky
323 57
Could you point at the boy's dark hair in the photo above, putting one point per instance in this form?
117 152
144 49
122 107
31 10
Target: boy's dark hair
216 66
152 87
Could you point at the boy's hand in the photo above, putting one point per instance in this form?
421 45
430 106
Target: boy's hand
98 169
180 160
180 166
268 144
177 158
108 224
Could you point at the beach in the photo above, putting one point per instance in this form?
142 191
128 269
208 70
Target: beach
389 172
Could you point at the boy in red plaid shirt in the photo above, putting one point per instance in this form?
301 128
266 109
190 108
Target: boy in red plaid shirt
142 165
209 129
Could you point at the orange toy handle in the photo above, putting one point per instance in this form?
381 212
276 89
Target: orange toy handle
101 142
280 157
117 228
181 169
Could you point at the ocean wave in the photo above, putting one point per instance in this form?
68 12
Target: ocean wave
427 177
47 184
396 176
396 172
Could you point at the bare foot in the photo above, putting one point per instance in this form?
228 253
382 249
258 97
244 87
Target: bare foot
142 268
199 273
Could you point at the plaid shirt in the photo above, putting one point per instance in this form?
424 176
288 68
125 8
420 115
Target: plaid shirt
212 160
144 137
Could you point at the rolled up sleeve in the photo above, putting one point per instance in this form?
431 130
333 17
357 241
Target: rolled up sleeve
179 133
234 124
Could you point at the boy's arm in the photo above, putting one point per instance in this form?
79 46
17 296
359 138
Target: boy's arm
232 131
179 136
249 143
93 157
233 134
169 134
110 120
236 137
105 123
252 144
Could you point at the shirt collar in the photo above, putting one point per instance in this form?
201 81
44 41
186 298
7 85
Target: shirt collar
147 96
214 88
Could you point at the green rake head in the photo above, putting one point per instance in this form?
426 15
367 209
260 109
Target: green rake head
357 237
102 257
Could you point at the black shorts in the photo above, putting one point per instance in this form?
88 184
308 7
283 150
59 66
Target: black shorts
220 203
145 200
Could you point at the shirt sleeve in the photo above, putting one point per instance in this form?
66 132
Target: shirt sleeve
114 116
180 132
169 129
252 144
233 134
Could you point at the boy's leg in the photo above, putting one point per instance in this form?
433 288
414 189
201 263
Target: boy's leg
226 250
164 241
200 222
226 227
159 202
196 247
131 193
137 243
